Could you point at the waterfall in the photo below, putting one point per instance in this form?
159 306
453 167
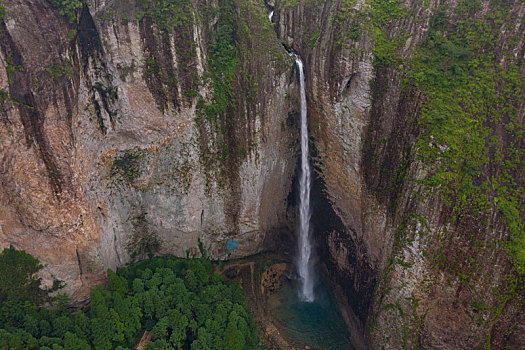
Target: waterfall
305 247
304 265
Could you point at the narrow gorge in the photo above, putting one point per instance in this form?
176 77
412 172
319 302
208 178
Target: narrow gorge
380 166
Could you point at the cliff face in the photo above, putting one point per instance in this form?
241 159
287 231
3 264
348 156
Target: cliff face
109 151
129 129
420 266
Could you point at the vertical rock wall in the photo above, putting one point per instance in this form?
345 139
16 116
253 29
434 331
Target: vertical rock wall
103 156
413 277
111 150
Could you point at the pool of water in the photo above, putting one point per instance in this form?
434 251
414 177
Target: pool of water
318 325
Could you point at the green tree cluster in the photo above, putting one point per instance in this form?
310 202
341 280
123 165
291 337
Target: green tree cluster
181 302
67 8
18 277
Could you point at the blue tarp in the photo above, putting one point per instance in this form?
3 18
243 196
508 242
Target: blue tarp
232 244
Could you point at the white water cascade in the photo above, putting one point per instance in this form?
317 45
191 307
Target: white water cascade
304 265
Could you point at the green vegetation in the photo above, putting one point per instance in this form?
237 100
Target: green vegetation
10 69
181 302
469 96
67 8
167 13
241 46
288 3
2 11
59 71
469 132
4 96
312 37
470 140
224 57
126 167
382 12
219 114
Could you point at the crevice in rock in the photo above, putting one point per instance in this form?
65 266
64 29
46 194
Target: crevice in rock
80 267
159 73
387 152
103 94
88 38
115 245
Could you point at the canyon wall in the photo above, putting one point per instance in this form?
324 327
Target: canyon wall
114 145
419 266
129 129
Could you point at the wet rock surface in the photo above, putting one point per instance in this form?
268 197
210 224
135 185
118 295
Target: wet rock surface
274 277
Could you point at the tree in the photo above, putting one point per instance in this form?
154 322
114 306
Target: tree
17 276
74 342
160 331
31 325
67 8
61 325
204 341
179 325
160 344
233 338
116 283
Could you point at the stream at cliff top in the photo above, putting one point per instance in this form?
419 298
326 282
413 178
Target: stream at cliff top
317 324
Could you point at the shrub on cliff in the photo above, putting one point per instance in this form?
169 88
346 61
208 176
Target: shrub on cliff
2 11
67 8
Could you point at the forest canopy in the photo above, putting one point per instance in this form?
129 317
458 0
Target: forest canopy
181 302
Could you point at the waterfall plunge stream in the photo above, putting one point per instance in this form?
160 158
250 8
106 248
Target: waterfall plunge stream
305 247
304 317
304 265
